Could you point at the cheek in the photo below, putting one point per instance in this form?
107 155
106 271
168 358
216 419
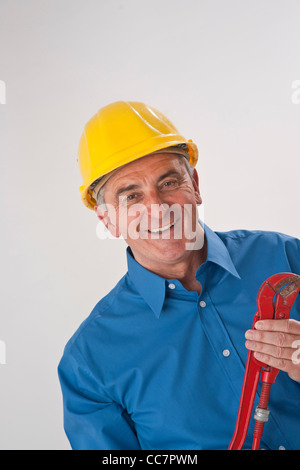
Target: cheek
122 220
185 198
129 220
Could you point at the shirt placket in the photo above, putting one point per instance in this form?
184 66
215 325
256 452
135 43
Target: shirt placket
229 358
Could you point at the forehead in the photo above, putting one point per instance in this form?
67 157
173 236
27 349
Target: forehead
150 166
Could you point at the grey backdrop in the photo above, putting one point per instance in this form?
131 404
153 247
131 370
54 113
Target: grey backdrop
225 72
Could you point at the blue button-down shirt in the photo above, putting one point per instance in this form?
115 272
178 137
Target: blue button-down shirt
155 366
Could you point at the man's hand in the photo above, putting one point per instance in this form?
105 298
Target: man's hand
277 343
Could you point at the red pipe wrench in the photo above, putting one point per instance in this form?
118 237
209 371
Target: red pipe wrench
275 299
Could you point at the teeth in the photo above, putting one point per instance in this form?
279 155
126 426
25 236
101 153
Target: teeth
161 229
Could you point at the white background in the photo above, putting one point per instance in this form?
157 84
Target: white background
221 70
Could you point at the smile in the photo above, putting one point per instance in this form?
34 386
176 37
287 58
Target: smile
161 229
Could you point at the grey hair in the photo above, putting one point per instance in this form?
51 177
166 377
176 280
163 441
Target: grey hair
190 169
100 197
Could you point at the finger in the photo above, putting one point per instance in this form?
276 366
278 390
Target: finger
287 326
279 363
277 352
276 338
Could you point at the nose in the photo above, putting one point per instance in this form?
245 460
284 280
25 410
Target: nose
153 196
156 208
155 203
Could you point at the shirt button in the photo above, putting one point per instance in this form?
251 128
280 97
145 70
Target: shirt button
281 448
202 303
226 352
171 286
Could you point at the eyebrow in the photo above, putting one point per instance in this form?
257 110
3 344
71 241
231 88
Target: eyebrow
171 172
131 187
125 189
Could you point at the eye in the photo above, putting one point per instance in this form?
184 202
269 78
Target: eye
124 200
129 198
170 184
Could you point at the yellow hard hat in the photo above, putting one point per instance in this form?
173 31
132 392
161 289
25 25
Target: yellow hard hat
120 133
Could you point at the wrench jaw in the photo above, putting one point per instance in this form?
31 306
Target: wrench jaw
275 299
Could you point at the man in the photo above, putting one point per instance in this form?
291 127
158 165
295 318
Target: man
160 361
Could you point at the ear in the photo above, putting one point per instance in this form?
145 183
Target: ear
195 180
107 218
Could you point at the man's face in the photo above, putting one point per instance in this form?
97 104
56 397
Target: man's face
152 203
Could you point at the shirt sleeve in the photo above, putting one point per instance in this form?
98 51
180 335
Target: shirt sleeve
293 254
91 421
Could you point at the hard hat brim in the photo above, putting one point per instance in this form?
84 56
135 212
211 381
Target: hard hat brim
124 158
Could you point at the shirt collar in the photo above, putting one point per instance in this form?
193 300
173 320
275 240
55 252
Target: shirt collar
149 285
217 251
153 287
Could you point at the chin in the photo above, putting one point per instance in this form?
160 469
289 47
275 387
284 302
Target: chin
169 250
